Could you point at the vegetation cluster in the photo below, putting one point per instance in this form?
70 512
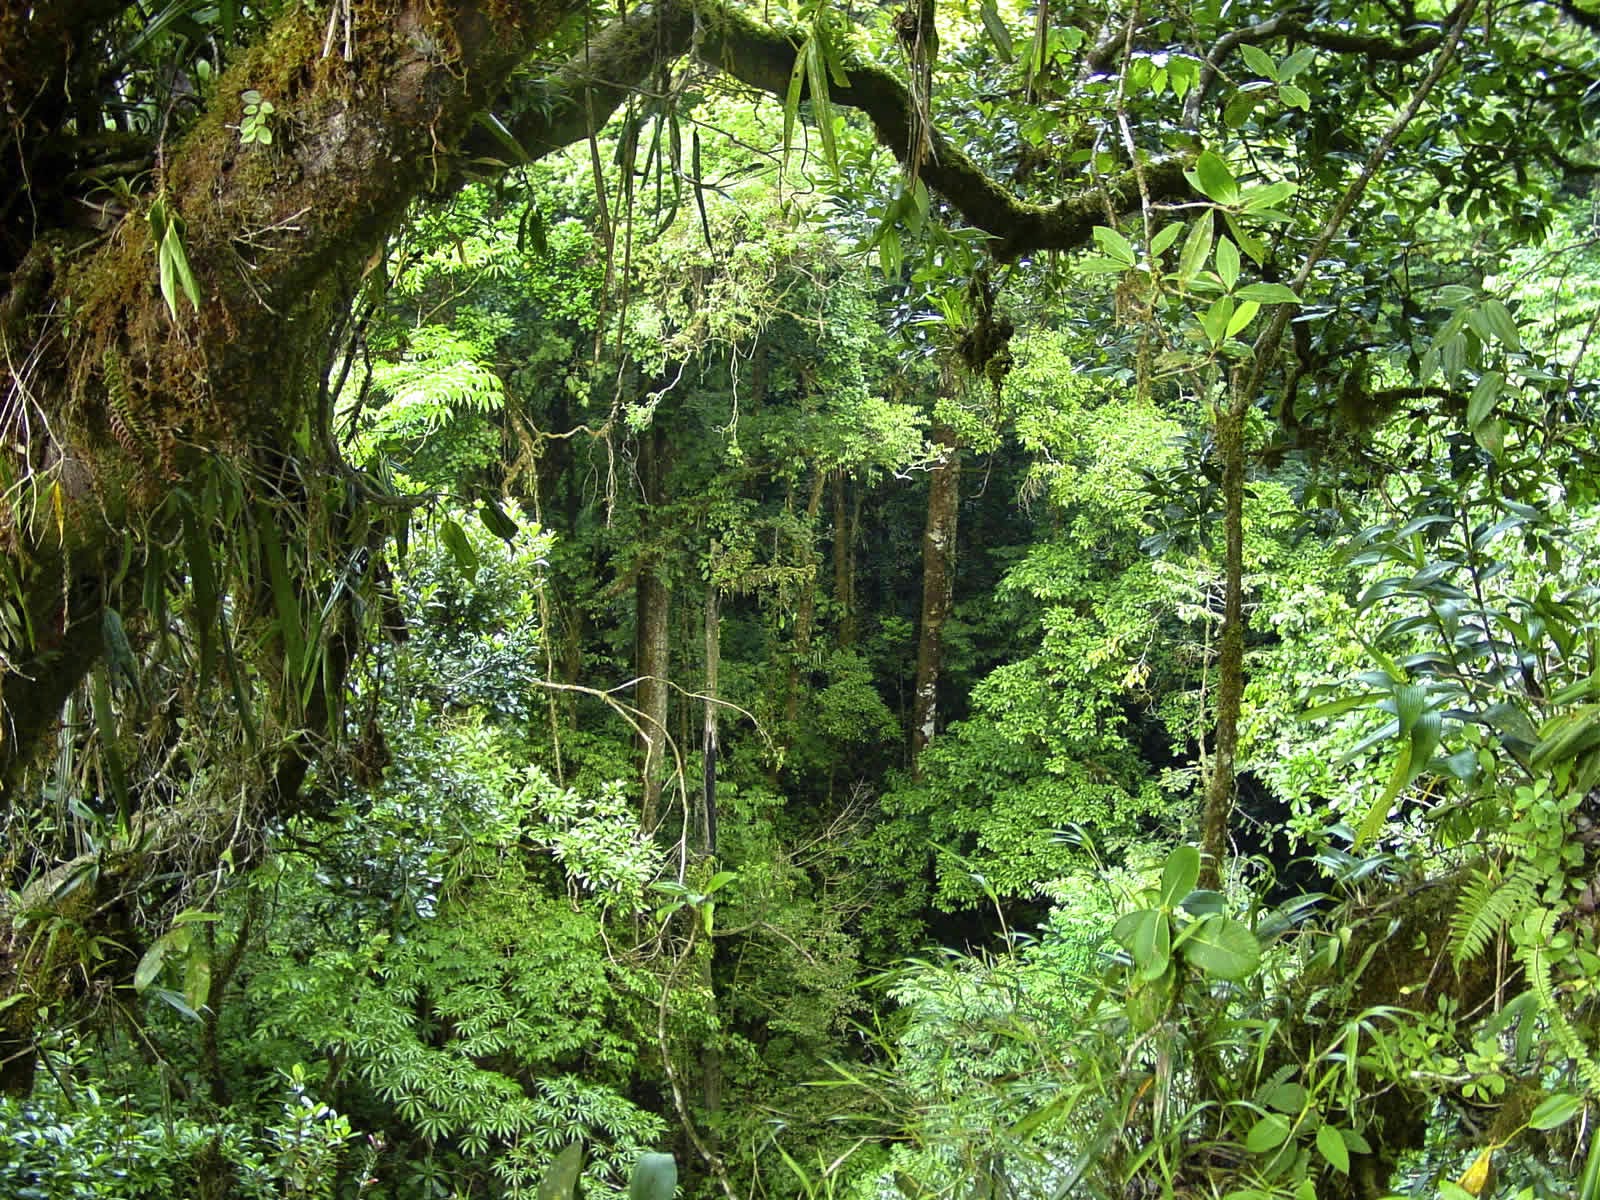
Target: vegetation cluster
987 601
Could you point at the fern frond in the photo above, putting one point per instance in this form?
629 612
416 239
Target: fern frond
1488 905
1536 967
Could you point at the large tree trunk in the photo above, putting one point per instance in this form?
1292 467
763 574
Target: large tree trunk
113 401
938 589
119 401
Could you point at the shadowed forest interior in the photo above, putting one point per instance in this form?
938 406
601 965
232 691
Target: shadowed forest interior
966 601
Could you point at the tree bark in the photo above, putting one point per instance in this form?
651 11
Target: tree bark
1221 777
938 590
805 607
844 562
121 400
653 656
704 843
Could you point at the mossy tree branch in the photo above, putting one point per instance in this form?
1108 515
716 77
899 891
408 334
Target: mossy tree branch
580 96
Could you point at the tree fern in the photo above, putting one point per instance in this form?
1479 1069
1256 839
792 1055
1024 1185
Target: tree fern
1488 905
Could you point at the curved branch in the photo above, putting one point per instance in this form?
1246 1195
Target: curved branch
1368 46
578 99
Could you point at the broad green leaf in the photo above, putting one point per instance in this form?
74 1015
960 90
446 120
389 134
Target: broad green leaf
1215 181
821 101
1238 110
172 249
196 916
655 1177
1296 62
1164 238
1248 242
157 216
1483 398
1197 246
1555 1111
1332 1148
1491 435
1242 316
168 275
1288 1098
460 546
1152 944
1099 264
1202 902
1334 708
1259 61
1268 293
105 720
1378 815
1565 737
998 33
1294 97
791 100
1258 198
890 256
1425 736
1223 947
1270 1132
1501 324
496 521
1114 245
1179 875
176 1002
1182 73
1410 700
1215 321
150 965
197 976
1160 958
560 1182
1227 262
496 127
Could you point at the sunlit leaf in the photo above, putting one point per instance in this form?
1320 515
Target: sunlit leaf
1215 181
1555 1111
1259 61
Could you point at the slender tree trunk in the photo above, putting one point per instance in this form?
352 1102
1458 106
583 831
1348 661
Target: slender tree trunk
1230 659
703 845
844 561
706 833
805 616
938 589
653 612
